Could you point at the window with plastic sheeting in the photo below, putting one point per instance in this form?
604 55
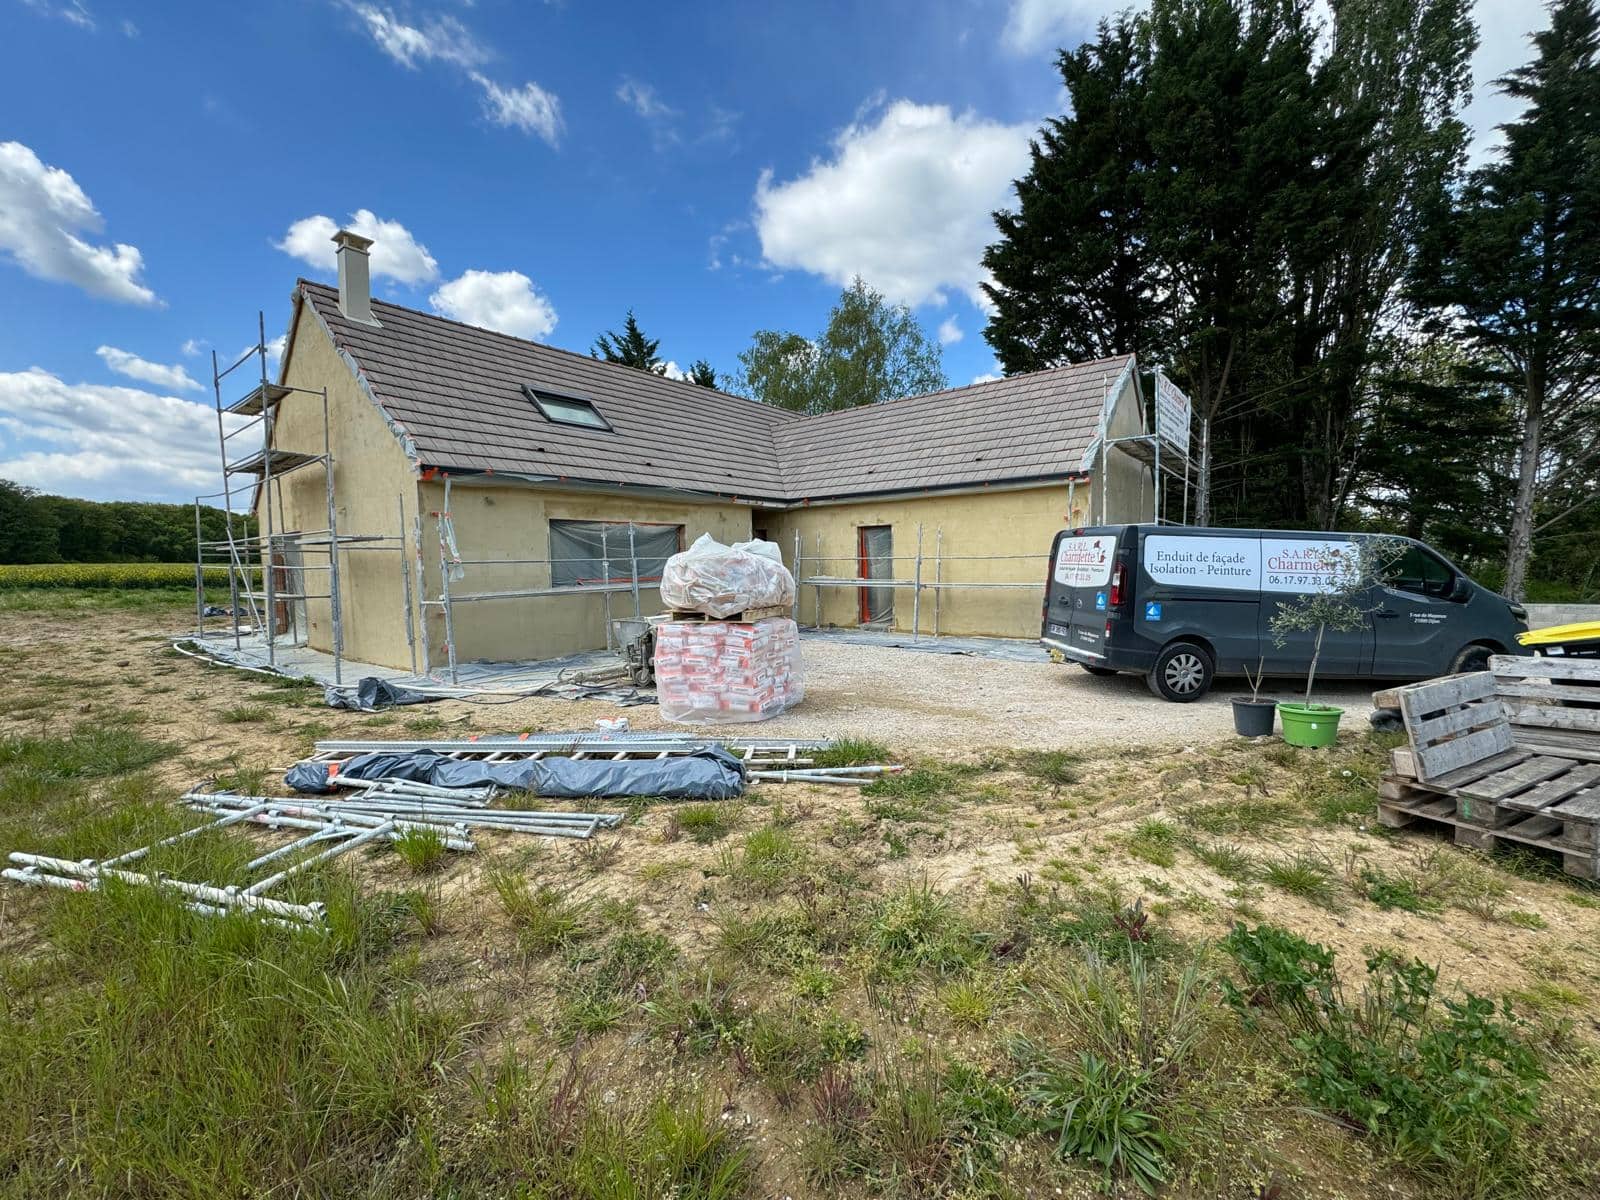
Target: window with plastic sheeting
586 553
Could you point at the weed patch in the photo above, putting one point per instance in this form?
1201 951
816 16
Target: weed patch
1449 1086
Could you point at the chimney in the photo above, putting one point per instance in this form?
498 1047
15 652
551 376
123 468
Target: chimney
355 276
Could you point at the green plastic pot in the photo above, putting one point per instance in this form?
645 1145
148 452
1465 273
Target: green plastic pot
1310 724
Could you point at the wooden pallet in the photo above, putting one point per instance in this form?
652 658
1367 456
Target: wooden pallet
1514 798
745 617
1453 723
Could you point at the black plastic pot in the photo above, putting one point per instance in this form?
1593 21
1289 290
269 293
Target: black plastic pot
1253 718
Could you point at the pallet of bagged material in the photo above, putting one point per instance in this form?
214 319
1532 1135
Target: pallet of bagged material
745 617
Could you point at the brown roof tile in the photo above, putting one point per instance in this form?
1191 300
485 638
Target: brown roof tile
457 392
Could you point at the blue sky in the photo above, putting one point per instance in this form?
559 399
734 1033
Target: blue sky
168 169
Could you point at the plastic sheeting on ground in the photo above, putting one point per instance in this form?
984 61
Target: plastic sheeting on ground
710 773
372 694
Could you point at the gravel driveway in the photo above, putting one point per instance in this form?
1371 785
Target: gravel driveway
940 701
919 701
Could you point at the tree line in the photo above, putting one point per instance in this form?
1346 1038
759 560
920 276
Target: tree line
37 528
1371 329
1279 211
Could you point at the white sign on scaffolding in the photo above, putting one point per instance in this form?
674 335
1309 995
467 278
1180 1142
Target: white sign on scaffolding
1172 414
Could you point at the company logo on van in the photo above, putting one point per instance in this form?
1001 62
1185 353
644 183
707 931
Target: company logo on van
1270 564
1084 561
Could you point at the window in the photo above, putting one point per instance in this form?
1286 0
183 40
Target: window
585 553
1420 573
566 410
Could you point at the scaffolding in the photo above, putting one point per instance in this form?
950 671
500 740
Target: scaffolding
453 569
926 575
275 571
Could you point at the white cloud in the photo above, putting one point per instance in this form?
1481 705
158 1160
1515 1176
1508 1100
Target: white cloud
903 203
275 349
642 98
673 371
1047 25
396 253
529 108
192 347
105 442
74 12
949 332
124 362
987 377
506 301
42 212
441 39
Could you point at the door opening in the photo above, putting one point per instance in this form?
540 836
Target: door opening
875 551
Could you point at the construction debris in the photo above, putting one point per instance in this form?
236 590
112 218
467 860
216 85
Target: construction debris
451 820
372 694
346 832
385 791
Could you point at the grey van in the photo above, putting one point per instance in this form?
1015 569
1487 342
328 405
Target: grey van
1182 604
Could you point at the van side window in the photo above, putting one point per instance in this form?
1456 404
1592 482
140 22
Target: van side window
1421 573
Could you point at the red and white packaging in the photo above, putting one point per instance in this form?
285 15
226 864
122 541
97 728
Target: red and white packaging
727 672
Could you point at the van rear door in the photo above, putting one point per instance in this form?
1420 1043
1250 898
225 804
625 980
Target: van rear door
1079 593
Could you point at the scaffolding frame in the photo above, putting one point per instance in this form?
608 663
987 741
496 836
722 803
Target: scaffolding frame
452 567
254 562
937 586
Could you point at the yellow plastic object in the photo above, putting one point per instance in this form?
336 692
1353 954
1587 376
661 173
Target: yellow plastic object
1552 635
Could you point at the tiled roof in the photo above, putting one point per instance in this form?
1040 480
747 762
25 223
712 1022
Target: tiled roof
456 391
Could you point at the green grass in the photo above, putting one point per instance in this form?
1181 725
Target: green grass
769 860
704 823
1227 860
545 920
1303 875
244 714
917 927
94 749
850 752
1155 842
154 1051
422 850
1059 767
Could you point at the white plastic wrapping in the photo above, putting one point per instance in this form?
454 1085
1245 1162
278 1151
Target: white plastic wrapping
727 672
722 581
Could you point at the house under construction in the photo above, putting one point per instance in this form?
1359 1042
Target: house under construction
430 493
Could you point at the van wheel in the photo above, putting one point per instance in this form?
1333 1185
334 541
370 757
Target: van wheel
1183 672
1098 670
1472 658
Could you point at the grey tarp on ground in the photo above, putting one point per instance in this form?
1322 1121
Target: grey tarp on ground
373 695
710 773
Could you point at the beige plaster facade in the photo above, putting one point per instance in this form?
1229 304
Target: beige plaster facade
379 490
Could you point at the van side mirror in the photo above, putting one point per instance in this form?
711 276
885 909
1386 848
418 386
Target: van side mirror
1461 589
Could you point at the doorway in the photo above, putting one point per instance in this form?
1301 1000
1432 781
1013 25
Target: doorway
875 552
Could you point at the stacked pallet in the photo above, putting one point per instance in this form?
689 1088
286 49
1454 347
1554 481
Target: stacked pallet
1508 756
716 672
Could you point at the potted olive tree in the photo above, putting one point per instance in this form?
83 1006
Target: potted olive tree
1345 602
1252 716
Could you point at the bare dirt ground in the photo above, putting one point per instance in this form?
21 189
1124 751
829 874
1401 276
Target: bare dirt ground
1143 806
1143 760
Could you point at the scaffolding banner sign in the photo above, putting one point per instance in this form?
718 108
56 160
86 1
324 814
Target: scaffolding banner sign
1276 564
1084 561
1172 415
